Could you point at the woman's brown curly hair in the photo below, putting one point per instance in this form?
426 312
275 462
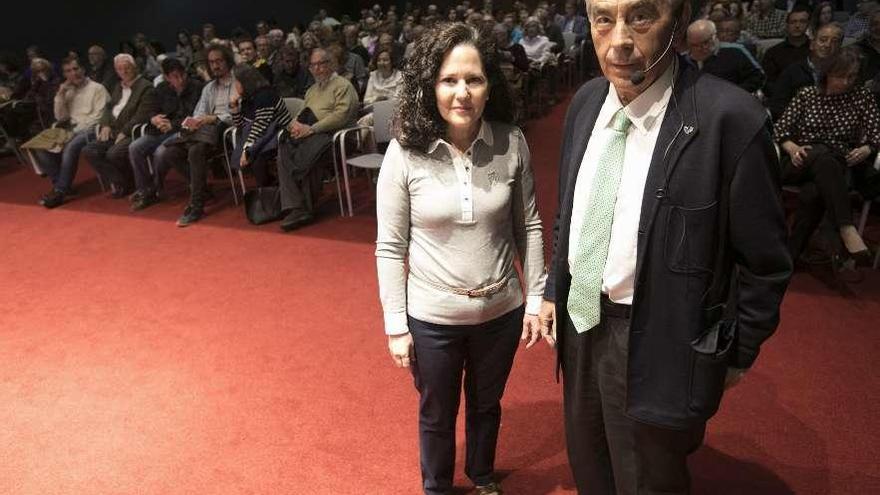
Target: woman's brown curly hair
417 122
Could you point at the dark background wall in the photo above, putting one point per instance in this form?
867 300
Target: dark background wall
63 25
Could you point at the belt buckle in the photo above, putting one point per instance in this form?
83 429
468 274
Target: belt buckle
474 292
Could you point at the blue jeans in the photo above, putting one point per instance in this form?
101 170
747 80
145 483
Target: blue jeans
139 152
61 168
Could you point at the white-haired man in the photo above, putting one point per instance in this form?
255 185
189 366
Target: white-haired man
132 103
669 190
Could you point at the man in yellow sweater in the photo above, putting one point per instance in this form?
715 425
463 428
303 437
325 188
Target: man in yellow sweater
330 104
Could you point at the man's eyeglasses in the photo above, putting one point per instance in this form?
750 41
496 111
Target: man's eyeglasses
320 63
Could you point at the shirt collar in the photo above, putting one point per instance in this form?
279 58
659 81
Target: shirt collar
647 109
485 135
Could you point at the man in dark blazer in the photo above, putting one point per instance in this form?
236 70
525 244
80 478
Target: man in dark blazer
648 342
132 102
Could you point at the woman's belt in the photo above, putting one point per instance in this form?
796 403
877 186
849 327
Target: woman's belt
484 291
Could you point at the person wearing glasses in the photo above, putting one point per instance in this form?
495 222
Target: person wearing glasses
727 61
331 104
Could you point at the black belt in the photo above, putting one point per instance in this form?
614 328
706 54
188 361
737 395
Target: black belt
614 310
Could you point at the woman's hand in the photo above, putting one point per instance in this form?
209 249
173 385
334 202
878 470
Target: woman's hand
234 101
104 134
243 162
858 155
531 330
401 349
797 153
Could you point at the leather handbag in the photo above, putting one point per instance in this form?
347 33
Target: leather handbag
262 205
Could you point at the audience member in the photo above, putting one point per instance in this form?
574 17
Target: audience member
550 29
538 47
247 51
351 37
822 15
858 23
330 104
291 79
78 106
572 22
387 43
730 31
100 69
41 93
510 52
258 114
727 61
176 99
184 48
132 103
201 133
764 21
793 49
350 66
824 45
818 155
385 78
870 47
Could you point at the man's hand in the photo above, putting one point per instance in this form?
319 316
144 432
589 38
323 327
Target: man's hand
119 138
547 318
858 155
104 134
243 162
401 349
531 330
298 130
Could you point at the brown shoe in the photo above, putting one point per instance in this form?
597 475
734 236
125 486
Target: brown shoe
490 489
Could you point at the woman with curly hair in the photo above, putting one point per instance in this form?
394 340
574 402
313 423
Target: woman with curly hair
456 207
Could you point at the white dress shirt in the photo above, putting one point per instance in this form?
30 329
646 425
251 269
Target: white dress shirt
646 113
126 95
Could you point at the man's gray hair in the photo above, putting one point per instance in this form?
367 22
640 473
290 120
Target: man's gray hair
124 57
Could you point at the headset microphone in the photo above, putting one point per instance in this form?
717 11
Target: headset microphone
638 76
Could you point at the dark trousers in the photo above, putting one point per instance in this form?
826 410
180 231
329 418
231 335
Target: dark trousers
609 452
484 355
295 159
824 191
110 161
191 159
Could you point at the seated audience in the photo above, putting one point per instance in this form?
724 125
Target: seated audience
259 114
538 47
858 23
176 99
387 43
100 69
350 66
132 103
572 22
41 93
793 49
247 50
330 104
291 79
351 37
201 133
417 32
870 47
727 61
764 21
825 44
823 14
384 77
550 29
78 106
730 31
818 155
509 51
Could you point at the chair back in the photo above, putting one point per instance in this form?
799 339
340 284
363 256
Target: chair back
294 106
382 113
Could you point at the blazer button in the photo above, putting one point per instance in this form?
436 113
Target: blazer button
660 193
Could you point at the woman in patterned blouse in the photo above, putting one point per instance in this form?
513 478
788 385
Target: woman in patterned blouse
826 130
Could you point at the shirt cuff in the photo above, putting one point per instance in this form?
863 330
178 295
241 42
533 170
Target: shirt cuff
533 304
396 324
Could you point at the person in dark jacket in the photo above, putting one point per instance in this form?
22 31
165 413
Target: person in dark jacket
668 196
793 49
291 80
100 70
728 61
132 103
176 99
824 45
258 114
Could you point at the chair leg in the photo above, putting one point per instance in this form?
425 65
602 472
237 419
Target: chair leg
336 179
863 220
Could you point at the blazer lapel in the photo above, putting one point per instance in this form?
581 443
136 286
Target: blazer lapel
678 129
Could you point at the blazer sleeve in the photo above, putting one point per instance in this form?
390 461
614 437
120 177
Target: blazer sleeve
145 110
758 243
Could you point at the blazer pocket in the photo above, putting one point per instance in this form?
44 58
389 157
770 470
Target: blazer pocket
690 233
710 356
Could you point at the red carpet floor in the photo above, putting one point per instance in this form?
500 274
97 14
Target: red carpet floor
139 358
